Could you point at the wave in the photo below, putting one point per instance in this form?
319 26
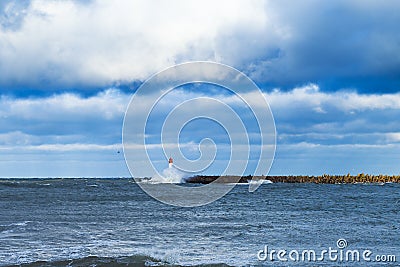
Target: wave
260 181
135 260
9 228
169 176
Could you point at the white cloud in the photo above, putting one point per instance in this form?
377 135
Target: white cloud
108 105
298 114
28 125
101 42
75 147
393 137
17 138
311 97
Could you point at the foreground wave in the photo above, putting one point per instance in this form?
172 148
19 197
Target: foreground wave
134 261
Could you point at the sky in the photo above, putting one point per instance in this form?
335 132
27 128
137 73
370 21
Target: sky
330 71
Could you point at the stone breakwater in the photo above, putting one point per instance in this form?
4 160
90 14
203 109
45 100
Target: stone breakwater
323 179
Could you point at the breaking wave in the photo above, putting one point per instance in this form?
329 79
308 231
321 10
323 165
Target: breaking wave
170 175
135 260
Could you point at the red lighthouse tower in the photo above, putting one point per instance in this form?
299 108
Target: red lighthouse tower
170 162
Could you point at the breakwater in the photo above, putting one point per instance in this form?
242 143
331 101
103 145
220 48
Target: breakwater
322 179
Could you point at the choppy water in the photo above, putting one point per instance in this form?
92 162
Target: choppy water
99 222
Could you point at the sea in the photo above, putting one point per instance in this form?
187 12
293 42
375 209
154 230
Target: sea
112 222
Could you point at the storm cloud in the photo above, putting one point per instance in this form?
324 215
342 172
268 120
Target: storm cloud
90 45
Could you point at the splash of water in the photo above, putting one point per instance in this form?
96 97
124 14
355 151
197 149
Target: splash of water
169 175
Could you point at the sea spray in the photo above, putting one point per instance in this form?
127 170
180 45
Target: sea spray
170 175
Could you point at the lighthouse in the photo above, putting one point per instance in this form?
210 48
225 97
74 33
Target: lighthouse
170 162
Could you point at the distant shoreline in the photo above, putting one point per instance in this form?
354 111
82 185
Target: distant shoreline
206 179
323 179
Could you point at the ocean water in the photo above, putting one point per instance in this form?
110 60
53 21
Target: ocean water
112 222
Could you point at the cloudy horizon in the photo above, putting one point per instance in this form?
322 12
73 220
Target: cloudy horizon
329 70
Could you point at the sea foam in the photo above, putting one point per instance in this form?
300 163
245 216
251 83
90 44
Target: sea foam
169 175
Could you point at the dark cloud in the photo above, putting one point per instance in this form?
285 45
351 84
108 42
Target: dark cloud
340 44
337 45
